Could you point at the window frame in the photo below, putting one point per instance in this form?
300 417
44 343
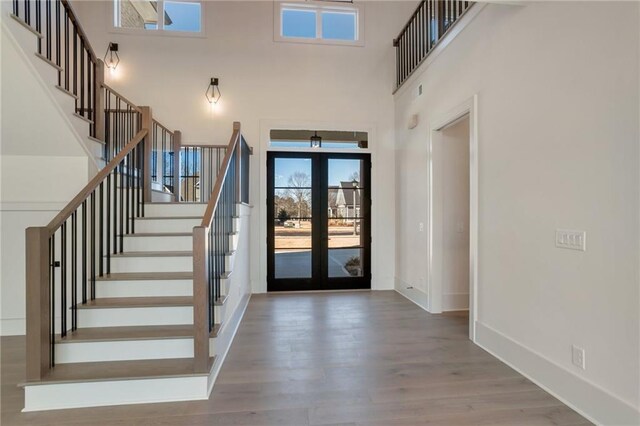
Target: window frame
319 7
160 31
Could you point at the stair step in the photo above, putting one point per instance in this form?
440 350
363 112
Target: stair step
135 276
109 334
137 302
155 254
121 370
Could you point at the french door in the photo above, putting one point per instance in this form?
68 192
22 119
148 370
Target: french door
318 221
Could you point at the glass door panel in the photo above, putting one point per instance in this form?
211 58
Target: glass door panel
318 221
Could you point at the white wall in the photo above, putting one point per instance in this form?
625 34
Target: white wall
42 165
558 129
264 82
451 177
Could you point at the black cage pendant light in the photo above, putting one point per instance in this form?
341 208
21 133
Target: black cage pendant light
213 91
316 141
111 58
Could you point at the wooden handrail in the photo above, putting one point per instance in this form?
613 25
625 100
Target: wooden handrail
157 123
115 92
195 145
79 29
73 205
217 188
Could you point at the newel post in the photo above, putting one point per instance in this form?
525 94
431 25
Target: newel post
177 148
238 148
99 117
200 301
148 149
38 310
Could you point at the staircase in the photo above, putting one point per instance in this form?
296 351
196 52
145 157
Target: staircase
132 296
135 341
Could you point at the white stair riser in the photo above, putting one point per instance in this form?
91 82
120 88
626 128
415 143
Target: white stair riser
151 264
174 209
96 148
66 101
123 350
236 224
166 225
81 126
117 317
234 242
144 288
181 243
114 392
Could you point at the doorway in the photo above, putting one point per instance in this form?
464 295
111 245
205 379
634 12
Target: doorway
453 253
318 221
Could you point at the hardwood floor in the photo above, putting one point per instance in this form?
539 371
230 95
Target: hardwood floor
370 358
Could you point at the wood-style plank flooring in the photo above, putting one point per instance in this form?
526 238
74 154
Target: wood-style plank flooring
361 358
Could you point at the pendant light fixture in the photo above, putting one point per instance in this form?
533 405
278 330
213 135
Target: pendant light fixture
213 91
111 58
316 141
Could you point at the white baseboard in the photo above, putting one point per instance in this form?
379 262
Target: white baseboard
226 337
415 295
588 399
13 327
455 302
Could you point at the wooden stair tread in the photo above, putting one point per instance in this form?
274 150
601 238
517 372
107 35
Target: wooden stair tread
121 370
104 334
135 276
137 302
160 234
154 254
167 217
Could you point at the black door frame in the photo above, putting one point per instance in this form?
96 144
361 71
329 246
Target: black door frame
319 235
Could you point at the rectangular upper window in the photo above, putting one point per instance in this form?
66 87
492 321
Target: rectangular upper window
175 16
322 22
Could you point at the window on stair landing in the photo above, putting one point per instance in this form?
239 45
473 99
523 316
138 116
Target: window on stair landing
321 22
170 16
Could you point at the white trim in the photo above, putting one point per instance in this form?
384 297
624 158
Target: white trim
588 399
318 7
13 326
260 286
434 281
414 294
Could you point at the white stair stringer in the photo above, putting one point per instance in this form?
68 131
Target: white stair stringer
26 39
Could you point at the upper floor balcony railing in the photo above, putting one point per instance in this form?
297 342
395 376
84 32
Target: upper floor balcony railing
427 26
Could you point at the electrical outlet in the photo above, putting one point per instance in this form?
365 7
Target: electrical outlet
570 239
420 90
421 227
577 357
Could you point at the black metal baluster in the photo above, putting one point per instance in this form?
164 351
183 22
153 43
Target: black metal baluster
121 212
39 23
66 50
92 245
48 33
52 298
84 252
101 231
74 271
108 224
63 280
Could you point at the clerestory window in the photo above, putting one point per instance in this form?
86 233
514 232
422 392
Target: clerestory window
323 22
170 16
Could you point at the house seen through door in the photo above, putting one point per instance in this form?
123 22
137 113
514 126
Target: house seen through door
319 211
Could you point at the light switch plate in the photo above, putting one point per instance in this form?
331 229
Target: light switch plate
571 239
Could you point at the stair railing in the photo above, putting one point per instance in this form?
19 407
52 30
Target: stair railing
64 44
64 258
427 26
212 242
165 158
200 165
